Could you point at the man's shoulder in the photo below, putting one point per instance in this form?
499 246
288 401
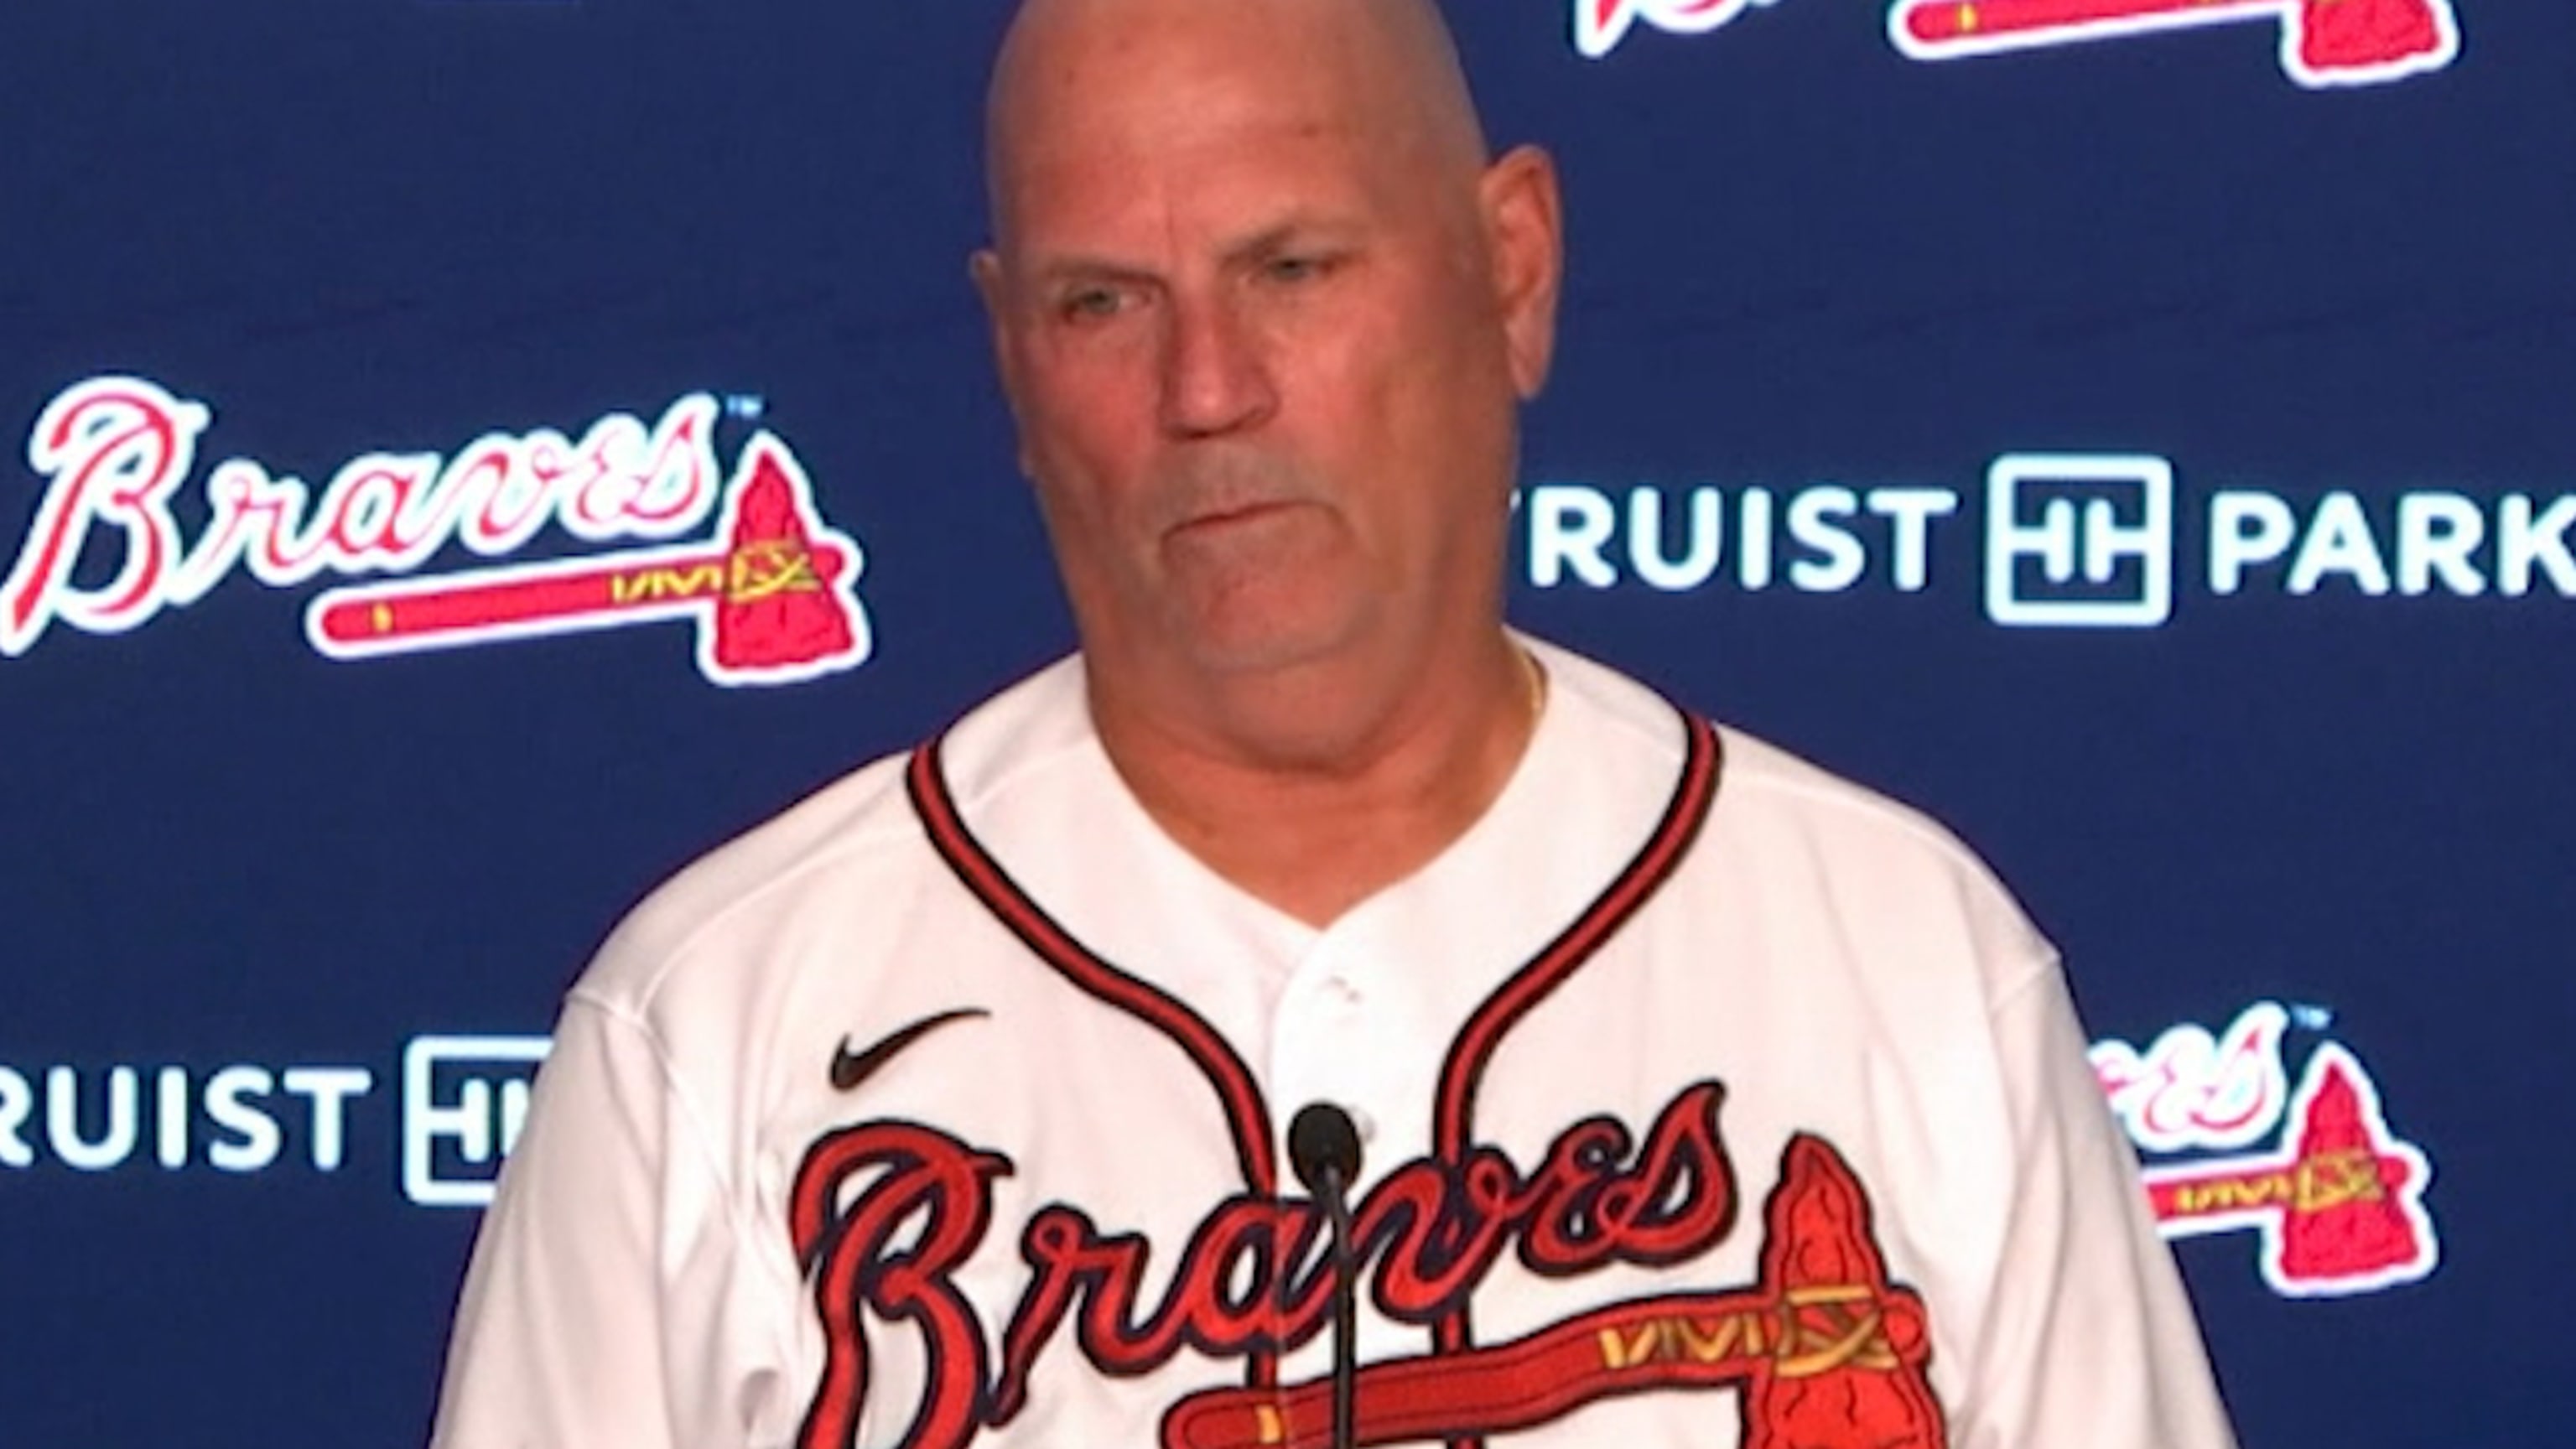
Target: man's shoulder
858 835
1869 853
861 817
1627 715
1780 813
1775 779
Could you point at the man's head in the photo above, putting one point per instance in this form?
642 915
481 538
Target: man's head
1265 314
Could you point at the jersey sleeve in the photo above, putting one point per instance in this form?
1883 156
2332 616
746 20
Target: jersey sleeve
2090 1338
580 1322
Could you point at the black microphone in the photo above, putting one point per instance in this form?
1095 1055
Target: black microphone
1325 1149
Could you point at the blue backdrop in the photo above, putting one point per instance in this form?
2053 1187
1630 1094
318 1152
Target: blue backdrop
2145 448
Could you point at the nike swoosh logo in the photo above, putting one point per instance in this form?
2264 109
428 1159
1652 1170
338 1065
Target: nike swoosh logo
850 1068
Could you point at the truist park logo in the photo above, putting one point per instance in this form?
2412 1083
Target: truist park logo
771 588
2070 540
2232 1145
2323 42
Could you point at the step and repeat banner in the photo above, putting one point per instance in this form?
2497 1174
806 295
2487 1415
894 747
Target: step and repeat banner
2137 431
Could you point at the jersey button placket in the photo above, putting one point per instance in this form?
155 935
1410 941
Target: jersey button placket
1320 1026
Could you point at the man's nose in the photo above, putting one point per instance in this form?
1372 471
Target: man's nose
1216 375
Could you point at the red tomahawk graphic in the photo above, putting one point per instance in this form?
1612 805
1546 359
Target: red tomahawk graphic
2340 1206
2323 42
1824 1349
773 601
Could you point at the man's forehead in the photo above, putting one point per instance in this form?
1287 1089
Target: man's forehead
1036 23
1233 206
1089 62
1111 83
1204 132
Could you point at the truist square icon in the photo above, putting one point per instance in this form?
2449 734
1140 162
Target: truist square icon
2079 540
464 1098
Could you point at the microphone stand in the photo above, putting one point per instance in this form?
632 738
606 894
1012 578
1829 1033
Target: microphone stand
1324 1146
1346 1329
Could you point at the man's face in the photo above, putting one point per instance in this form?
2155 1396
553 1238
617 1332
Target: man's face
1251 332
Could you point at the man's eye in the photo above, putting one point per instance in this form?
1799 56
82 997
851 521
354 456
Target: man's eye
1090 304
1294 269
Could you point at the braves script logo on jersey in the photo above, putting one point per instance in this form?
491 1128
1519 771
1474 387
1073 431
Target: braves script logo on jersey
1823 1350
2338 1202
771 593
2323 42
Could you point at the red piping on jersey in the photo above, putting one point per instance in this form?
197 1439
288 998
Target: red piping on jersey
1454 1111
1245 1113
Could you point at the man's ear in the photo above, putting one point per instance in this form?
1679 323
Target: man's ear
1525 235
985 269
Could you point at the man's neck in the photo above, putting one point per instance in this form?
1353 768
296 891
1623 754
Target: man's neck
1313 792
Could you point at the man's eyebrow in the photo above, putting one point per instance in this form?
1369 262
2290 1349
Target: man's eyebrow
1077 267
1060 268
1286 235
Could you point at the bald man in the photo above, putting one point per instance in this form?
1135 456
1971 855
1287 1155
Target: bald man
1703 1099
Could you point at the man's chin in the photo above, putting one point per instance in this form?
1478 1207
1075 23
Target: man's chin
1248 648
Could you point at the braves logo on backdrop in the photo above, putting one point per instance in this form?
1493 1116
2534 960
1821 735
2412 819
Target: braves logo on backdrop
2322 42
1822 1349
2338 1199
1599 25
771 592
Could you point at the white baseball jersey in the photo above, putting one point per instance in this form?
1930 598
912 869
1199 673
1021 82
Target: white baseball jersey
1706 1100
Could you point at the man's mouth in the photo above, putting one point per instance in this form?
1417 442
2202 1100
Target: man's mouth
1234 514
